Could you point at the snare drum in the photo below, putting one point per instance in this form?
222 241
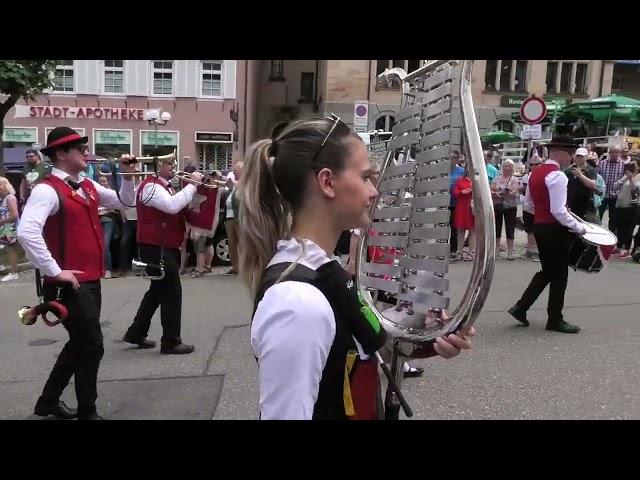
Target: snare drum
588 252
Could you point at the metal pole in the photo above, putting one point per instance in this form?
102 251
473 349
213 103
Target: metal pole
553 121
155 124
608 124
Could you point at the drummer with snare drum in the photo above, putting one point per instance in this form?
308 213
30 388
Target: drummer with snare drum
552 227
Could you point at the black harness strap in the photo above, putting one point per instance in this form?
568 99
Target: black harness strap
39 292
271 275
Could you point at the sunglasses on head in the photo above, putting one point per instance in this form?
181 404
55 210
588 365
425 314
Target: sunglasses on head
336 120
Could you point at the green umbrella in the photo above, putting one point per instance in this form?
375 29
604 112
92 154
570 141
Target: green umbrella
616 108
499 136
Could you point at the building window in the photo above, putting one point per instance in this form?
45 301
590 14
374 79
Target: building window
63 77
490 75
114 76
385 123
47 131
413 65
111 143
306 86
277 70
214 156
581 78
520 84
506 75
167 142
212 78
552 72
163 77
382 65
13 137
567 76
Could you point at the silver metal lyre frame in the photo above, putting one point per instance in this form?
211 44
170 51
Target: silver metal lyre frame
411 214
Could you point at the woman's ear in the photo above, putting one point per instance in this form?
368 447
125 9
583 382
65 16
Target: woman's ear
326 181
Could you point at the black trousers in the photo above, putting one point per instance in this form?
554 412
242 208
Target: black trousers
626 222
509 215
553 246
80 357
609 203
453 240
127 244
165 293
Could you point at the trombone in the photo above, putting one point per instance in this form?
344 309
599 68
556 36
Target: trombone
144 160
208 181
171 157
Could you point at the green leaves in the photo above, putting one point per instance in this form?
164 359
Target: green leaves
26 78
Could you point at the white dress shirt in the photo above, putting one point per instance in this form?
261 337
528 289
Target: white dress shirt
155 195
527 207
556 183
43 202
130 213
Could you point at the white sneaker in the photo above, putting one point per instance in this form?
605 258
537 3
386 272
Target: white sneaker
10 277
107 274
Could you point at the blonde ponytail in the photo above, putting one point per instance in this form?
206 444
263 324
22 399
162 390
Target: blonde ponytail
264 214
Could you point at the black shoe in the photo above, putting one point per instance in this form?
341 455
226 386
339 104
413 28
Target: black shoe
180 349
59 411
519 315
231 271
563 327
413 372
93 416
143 343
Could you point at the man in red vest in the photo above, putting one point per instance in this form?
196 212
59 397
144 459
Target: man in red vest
61 235
552 224
161 227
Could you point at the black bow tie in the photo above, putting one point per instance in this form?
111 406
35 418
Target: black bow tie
72 184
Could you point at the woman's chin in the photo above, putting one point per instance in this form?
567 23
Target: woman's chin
363 221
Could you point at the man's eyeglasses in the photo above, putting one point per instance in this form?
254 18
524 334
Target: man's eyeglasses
30 156
81 148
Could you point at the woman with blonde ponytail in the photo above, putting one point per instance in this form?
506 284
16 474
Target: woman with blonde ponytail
311 336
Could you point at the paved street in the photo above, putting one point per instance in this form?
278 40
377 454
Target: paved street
513 372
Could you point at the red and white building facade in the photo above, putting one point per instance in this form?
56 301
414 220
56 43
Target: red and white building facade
106 100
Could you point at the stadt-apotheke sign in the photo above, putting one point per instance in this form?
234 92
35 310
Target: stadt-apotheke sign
100 113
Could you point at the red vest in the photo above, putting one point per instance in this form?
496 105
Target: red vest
540 193
156 227
81 241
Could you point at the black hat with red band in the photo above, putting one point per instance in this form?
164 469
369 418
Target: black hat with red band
61 136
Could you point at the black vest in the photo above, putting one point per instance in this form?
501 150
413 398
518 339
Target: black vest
340 291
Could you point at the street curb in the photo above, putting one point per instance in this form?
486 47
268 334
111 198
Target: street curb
22 267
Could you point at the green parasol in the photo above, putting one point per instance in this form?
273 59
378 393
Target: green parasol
616 108
499 136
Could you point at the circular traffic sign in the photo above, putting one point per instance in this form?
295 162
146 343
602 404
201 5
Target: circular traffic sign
361 110
533 110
